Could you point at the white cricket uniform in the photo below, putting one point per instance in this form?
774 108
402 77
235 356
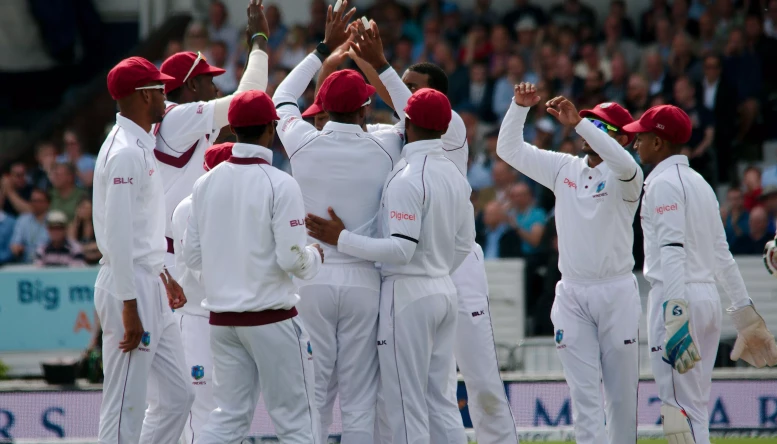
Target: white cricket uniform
426 229
246 235
597 307
685 254
195 330
475 349
344 168
129 226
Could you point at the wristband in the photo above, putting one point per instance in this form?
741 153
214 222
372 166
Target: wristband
384 68
323 49
258 34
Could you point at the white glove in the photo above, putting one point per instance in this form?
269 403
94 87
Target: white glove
679 349
770 258
755 343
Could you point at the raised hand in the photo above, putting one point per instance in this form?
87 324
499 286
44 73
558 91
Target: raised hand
336 31
564 110
257 22
526 94
367 44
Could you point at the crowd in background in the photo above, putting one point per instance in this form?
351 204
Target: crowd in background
716 59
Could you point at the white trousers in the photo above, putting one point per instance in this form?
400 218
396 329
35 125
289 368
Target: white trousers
597 340
153 372
416 331
340 310
275 360
476 356
689 392
195 334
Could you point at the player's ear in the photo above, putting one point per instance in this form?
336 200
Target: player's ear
192 84
622 139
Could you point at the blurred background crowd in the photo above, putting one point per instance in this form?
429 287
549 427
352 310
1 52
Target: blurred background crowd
716 59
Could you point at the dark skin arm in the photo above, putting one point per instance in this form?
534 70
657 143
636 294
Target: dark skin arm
257 22
327 231
175 296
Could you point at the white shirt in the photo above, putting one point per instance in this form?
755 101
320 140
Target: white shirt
341 166
189 280
595 207
684 237
710 92
426 221
246 234
128 208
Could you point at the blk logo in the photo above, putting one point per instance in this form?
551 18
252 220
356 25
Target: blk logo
122 180
656 349
297 222
478 313
382 342
630 341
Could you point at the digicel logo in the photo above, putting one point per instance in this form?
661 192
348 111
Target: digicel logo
661 209
398 215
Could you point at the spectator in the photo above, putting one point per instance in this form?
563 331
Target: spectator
699 146
637 95
526 30
616 43
544 133
60 250
751 178
728 18
765 48
503 88
744 68
275 23
424 50
503 176
16 190
615 89
568 146
663 41
659 79
30 230
219 28
757 236
768 201
770 24
451 24
659 9
500 51
479 174
227 83
735 216
173 46
573 13
618 10
593 92
497 238
477 46
196 38
526 218
65 195
590 61
708 40
482 13
315 32
75 155
682 61
457 74
293 49
719 99
480 94
403 54
565 82
681 21
7 224
522 9
81 230
46 156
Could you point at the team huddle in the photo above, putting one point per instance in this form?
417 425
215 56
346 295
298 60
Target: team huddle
358 275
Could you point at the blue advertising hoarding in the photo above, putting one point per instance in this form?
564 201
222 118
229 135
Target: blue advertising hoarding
46 308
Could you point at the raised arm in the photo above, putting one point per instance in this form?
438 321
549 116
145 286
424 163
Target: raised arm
291 253
540 165
666 201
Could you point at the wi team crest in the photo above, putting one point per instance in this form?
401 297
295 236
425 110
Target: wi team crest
559 338
198 372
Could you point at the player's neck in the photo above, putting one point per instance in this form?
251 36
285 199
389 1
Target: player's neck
138 119
594 161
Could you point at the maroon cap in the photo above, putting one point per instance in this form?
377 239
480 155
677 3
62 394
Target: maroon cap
344 91
132 73
666 121
217 154
251 108
314 109
179 64
430 109
612 113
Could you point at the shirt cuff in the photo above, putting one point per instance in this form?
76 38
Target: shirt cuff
344 241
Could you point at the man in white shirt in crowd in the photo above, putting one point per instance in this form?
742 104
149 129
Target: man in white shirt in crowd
686 254
246 236
426 229
197 350
597 307
142 349
474 348
344 168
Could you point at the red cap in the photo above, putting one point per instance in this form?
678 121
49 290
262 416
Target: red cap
132 73
179 64
217 154
430 109
666 121
314 109
251 108
611 113
344 91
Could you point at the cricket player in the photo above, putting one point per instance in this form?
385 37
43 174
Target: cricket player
686 253
597 307
344 168
142 349
245 236
426 229
202 374
474 347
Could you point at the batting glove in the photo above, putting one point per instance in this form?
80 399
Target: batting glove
755 343
679 350
770 257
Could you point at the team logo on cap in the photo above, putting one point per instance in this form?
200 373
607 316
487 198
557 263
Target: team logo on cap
659 126
198 372
605 105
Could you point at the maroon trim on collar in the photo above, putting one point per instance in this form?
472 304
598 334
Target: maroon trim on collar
170 245
247 160
159 125
251 318
176 162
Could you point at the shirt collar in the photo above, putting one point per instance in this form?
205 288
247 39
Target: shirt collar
250 150
677 159
422 148
145 140
342 127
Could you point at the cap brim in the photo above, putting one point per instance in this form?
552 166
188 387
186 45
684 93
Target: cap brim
370 91
636 127
212 70
313 110
164 78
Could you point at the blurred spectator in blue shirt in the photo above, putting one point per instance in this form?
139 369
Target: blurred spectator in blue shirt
497 237
16 190
219 27
46 156
735 216
479 174
753 242
75 155
7 223
60 250
30 230
528 219
503 88
277 29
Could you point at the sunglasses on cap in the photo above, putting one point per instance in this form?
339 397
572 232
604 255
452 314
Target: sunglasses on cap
604 126
160 87
196 61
